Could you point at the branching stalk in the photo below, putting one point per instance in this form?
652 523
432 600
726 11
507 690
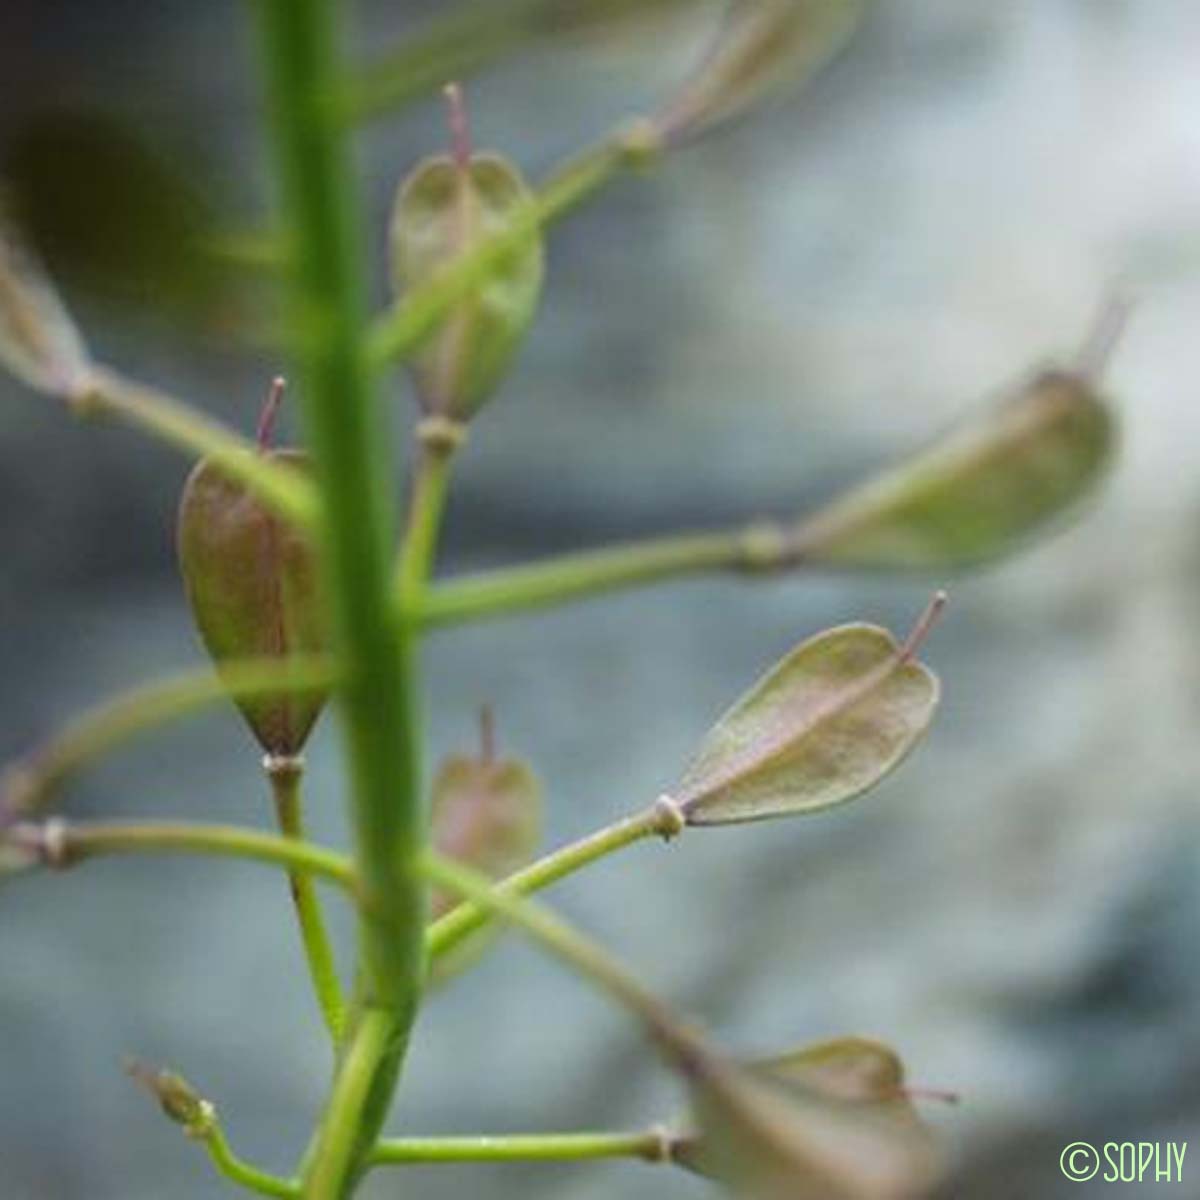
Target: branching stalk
29 782
108 394
652 1146
659 820
756 548
285 775
60 845
426 507
245 1174
566 943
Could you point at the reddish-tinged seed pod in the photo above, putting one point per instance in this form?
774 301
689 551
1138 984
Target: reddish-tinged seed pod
828 1122
486 812
252 583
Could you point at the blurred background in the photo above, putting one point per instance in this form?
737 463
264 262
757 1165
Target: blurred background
776 312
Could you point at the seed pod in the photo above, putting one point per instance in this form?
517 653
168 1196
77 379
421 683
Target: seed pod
39 342
978 492
830 1122
824 725
763 47
179 1101
487 814
252 583
448 205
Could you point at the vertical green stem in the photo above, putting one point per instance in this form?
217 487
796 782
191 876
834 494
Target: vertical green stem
285 775
349 440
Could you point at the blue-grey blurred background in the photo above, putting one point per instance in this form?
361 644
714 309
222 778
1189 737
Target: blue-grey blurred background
775 312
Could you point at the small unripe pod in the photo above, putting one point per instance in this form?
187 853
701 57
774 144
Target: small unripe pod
445 207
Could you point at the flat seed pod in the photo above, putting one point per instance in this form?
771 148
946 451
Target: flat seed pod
827 723
977 493
486 814
763 47
39 342
446 206
854 1069
252 582
826 1123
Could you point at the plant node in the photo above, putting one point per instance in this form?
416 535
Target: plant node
669 817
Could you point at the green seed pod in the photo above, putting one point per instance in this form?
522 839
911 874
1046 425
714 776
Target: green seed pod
444 208
763 47
825 724
978 492
252 583
829 1122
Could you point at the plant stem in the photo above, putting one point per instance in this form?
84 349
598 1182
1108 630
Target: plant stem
758 547
454 45
285 776
349 440
653 1146
27 783
566 943
243 1173
340 1152
430 485
107 394
60 845
446 933
451 47
399 332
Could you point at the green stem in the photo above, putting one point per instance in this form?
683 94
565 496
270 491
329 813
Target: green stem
349 439
430 485
285 777
62 845
585 956
107 394
758 547
459 43
653 1146
243 1173
447 932
29 782
450 48
399 332
340 1150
